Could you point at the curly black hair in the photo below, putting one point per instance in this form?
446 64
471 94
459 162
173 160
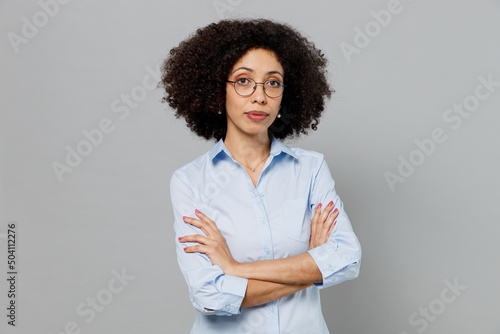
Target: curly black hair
195 72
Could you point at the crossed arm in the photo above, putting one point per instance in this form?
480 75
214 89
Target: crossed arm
268 280
261 292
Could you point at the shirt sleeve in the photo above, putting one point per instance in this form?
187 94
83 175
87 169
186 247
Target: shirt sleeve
209 287
339 259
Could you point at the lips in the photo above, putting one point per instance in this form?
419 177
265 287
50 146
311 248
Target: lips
257 113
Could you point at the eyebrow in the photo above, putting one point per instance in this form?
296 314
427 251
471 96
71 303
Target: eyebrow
250 70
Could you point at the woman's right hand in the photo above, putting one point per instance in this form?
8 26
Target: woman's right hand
322 225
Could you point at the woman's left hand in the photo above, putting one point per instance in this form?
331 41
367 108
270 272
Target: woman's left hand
213 245
321 226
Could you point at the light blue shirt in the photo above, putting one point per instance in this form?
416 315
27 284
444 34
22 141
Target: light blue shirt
270 221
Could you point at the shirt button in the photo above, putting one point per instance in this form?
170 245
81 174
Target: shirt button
263 220
331 268
261 194
226 308
267 251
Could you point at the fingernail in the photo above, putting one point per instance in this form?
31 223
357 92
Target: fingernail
197 211
184 217
331 203
319 205
180 238
185 249
336 210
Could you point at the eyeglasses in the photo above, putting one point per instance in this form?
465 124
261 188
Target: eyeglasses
246 86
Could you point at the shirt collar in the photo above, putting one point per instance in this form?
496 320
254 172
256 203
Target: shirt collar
276 148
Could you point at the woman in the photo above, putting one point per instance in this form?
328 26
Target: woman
253 243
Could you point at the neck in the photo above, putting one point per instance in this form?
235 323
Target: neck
248 149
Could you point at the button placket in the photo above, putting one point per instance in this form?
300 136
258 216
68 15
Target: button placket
266 244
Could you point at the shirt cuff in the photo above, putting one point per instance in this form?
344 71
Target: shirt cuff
234 289
331 265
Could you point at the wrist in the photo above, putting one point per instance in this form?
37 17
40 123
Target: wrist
233 269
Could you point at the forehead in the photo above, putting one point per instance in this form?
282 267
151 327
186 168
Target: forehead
258 61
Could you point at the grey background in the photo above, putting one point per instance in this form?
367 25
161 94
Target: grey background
113 211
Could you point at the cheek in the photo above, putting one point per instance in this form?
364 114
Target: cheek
228 100
229 103
277 104
233 102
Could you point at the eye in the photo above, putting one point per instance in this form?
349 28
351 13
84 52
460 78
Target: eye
274 83
243 81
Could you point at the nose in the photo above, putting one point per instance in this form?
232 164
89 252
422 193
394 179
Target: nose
259 95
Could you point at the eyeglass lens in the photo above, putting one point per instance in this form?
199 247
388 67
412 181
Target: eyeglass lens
246 86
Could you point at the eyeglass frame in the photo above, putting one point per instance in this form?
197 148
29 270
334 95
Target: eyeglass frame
255 87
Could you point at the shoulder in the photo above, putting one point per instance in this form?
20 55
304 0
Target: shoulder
189 170
306 156
309 161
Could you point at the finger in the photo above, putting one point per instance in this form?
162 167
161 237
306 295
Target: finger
201 239
333 227
195 249
314 221
329 222
207 220
335 213
326 212
198 223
